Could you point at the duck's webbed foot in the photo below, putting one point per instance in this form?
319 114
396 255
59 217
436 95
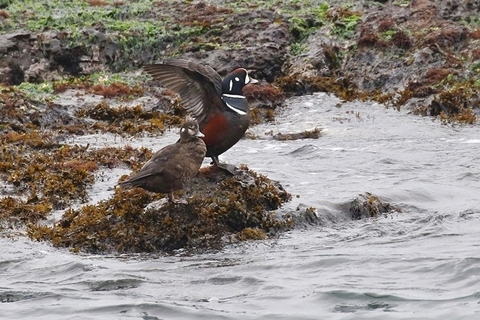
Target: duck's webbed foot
172 199
230 168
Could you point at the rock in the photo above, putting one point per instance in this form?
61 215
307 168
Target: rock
263 46
317 60
367 205
307 134
6 44
39 72
218 207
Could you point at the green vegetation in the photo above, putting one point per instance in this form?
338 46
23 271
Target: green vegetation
297 49
345 22
143 29
47 91
304 23
41 92
62 15
124 29
402 3
388 35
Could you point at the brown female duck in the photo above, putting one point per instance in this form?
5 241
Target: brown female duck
172 166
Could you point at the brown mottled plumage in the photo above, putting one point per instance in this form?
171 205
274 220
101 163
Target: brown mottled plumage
172 166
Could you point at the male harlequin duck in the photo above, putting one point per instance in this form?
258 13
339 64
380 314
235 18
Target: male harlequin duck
172 166
218 105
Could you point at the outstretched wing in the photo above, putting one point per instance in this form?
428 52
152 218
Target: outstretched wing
199 86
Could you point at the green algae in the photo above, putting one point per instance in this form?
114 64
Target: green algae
345 21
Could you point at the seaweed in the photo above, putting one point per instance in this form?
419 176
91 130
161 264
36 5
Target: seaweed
218 205
368 205
42 175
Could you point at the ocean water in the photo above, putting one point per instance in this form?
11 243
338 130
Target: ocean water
422 263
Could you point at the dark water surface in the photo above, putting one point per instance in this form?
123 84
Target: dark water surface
423 263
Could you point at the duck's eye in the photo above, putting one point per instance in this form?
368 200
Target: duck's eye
237 79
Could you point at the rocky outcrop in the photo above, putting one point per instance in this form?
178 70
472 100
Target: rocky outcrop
422 55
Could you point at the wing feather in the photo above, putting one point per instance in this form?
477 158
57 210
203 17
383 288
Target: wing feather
199 86
155 165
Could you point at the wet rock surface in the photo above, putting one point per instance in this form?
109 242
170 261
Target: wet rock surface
368 205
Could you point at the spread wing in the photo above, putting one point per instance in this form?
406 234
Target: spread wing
199 86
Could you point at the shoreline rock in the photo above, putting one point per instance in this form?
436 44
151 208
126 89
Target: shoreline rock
219 206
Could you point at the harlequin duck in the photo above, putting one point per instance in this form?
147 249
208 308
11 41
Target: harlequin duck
172 166
218 105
